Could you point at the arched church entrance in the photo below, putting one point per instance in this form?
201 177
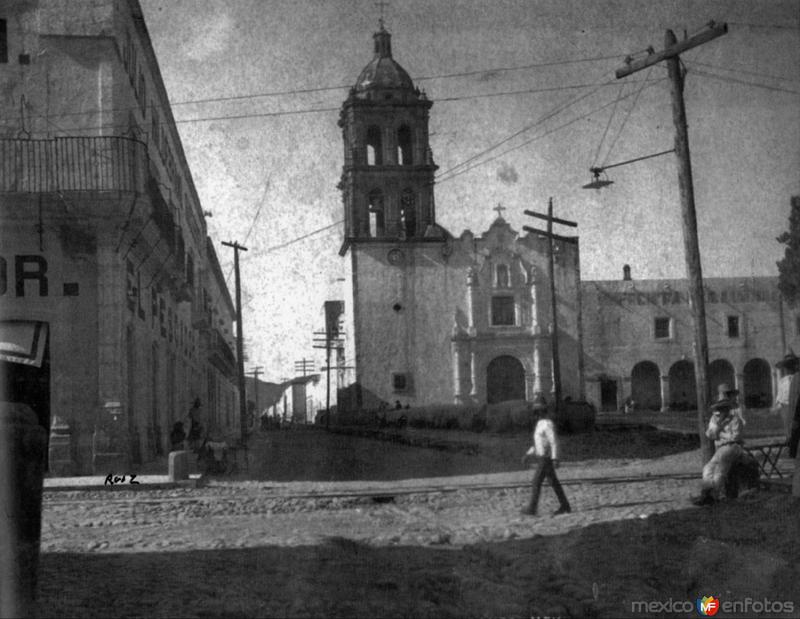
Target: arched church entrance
757 384
505 380
720 371
646 386
682 389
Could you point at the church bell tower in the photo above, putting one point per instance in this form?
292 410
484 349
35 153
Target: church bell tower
387 177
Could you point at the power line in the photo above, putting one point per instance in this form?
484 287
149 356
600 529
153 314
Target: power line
255 218
608 124
300 91
775 26
555 111
318 110
533 139
627 116
301 238
526 91
734 80
756 73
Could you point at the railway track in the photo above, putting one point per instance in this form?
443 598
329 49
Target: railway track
383 493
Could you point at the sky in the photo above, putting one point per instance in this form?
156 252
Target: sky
525 102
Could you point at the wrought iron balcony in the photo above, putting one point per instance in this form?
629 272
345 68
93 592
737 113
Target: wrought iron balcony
71 164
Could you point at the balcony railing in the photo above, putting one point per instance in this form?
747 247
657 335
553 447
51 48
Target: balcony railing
72 164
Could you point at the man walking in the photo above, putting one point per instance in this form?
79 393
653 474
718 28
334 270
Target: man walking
545 449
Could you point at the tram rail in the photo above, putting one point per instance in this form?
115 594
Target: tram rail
379 493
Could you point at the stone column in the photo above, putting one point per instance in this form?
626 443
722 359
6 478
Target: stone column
664 393
473 371
534 309
472 284
539 379
110 332
623 391
458 398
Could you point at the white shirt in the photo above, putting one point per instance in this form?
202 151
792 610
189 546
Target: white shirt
786 398
544 440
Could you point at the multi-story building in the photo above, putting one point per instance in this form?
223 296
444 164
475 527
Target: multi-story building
639 340
109 286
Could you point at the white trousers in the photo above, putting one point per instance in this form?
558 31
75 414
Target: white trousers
716 470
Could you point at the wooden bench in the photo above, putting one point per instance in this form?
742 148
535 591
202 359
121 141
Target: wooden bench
767 454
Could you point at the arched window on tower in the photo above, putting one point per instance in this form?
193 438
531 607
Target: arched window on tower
376 214
374 147
404 145
408 213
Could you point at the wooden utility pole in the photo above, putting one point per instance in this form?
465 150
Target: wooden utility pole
239 338
670 53
551 269
304 365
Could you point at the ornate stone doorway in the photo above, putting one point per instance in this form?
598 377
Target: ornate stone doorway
505 380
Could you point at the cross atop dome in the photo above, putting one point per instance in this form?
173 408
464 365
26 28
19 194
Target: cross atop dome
381 6
499 208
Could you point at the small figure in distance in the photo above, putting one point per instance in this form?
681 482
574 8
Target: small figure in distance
195 427
545 450
177 436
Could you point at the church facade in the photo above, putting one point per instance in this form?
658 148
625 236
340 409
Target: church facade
429 317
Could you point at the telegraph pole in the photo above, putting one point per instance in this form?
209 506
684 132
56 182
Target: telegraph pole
239 338
551 269
304 365
671 53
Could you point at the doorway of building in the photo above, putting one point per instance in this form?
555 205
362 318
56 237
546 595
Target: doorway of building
757 384
608 394
505 380
682 386
646 386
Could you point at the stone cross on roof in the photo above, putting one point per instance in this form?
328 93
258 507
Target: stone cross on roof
499 208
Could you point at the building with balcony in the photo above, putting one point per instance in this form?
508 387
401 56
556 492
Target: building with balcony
639 334
111 295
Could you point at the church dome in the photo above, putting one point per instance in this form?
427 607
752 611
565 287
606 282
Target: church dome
383 71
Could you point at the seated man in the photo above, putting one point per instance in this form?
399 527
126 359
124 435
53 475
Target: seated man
725 429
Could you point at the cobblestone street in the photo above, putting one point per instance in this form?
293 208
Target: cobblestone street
244 548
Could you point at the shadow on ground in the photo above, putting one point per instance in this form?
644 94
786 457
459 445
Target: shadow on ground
734 551
311 454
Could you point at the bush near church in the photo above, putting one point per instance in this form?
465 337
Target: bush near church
510 416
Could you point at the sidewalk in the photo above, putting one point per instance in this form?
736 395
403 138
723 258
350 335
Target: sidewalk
759 423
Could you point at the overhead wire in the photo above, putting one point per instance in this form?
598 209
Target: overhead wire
733 80
330 109
608 124
745 71
299 91
775 26
302 238
554 112
537 137
627 116
252 223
